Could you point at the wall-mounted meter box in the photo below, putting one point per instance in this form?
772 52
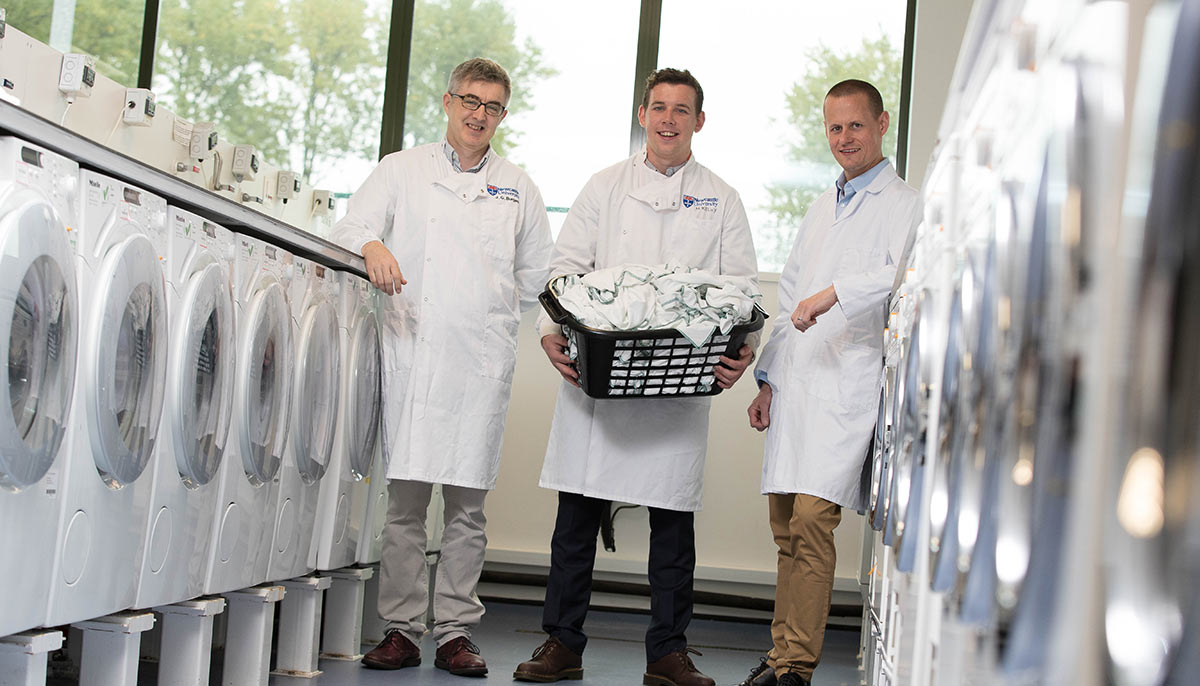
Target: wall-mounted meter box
322 203
287 185
203 140
78 75
245 163
139 107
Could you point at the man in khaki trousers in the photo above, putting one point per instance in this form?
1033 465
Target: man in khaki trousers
819 378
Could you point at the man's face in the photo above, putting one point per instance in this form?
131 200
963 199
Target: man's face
472 130
855 136
670 120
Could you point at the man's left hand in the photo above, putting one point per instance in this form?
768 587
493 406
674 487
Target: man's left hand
806 313
730 370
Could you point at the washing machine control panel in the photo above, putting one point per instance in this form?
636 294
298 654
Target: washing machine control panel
35 167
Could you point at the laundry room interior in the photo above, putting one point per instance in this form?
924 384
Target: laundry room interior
217 402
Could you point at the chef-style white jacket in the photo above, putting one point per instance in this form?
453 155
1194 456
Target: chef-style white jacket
474 249
825 382
647 451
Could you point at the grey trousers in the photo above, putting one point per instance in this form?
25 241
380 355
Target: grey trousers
404 579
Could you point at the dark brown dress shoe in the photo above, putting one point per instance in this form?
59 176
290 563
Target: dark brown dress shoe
460 657
676 669
393 652
552 661
760 675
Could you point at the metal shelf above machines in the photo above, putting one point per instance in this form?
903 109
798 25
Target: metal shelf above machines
29 126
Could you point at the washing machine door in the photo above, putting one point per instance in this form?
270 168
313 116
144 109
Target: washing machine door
38 306
910 453
263 389
201 383
875 499
365 400
942 534
315 396
127 359
1152 527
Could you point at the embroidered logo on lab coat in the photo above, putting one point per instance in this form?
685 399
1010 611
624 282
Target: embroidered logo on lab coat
702 204
509 194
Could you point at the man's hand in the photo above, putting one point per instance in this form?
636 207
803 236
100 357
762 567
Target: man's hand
730 370
555 345
812 307
382 268
760 408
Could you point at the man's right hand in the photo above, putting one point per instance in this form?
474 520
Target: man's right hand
555 345
760 408
382 268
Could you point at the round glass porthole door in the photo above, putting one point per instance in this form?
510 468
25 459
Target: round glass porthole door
202 385
316 392
365 398
38 303
129 366
264 380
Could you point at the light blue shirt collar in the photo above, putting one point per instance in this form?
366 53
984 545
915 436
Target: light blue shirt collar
847 189
452 155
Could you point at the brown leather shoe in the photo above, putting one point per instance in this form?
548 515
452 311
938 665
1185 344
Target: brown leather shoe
552 661
460 657
395 651
676 669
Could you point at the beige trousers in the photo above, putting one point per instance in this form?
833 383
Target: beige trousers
403 576
803 529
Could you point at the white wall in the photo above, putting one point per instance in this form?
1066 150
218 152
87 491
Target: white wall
733 541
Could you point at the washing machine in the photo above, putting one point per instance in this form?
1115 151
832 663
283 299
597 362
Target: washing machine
315 294
39 316
342 506
196 412
119 244
370 539
244 515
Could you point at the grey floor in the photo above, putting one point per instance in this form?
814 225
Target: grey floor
615 653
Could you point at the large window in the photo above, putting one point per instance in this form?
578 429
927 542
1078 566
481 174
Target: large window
765 69
571 67
109 30
301 80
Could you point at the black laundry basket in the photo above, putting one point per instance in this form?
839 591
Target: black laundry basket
646 364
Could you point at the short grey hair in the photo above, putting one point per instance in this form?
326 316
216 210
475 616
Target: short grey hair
480 69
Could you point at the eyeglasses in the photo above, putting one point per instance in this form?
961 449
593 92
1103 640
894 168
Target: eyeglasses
473 103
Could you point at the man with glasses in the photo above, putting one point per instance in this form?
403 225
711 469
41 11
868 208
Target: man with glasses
470 231
658 206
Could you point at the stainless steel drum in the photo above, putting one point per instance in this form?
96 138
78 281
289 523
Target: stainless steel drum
887 481
1152 533
911 439
956 370
879 451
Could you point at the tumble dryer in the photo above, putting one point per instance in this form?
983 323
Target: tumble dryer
199 399
342 508
315 291
117 407
245 510
39 313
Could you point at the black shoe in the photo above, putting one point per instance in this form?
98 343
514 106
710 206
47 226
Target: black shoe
760 675
791 679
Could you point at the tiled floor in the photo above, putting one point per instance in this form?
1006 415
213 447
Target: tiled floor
615 654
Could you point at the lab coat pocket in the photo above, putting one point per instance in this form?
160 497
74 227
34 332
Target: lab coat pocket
695 240
498 231
841 374
395 333
499 346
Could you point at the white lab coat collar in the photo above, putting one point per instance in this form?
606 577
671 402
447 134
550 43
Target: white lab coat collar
881 181
464 185
660 193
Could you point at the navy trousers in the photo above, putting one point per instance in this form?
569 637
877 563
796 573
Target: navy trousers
670 569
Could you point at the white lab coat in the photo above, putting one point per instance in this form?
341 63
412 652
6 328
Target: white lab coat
475 250
825 382
644 451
